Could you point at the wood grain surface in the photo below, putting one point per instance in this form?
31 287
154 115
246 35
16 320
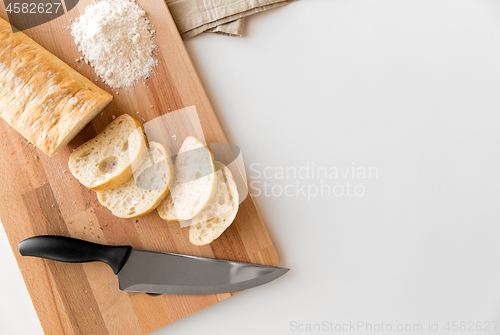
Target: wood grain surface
38 195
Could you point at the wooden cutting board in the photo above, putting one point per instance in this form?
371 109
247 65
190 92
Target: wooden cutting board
39 196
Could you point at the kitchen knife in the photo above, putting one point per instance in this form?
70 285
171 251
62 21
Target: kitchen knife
154 272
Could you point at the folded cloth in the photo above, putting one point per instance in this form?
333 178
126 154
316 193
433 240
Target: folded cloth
193 17
233 28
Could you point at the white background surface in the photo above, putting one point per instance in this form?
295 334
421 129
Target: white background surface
409 87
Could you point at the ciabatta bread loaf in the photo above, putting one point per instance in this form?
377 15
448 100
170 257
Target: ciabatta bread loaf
41 97
144 191
194 182
108 160
220 213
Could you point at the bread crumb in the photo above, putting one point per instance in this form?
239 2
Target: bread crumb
36 157
174 137
113 117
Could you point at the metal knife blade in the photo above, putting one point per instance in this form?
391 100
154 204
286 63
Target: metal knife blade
165 273
155 272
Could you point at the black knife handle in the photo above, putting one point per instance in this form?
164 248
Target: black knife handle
72 250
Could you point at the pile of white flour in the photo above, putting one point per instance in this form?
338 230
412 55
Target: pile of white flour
116 38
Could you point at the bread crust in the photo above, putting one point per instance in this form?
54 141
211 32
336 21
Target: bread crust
42 97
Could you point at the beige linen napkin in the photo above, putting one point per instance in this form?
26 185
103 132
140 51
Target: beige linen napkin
193 17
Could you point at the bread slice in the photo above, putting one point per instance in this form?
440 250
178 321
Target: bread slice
144 191
107 160
220 213
41 97
194 182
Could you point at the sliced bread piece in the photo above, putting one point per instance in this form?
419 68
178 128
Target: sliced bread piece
144 191
220 213
194 182
107 160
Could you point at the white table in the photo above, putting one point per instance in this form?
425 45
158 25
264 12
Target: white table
410 89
